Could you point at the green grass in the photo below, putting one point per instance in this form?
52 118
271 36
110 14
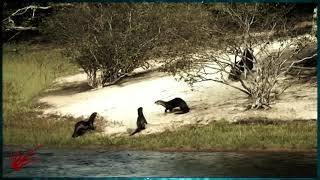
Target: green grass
30 129
27 71
223 135
30 70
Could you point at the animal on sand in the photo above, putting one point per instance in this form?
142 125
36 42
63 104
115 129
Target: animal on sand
82 127
245 65
176 102
141 122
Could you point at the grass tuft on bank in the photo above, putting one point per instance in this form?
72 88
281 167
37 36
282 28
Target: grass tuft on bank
32 129
223 135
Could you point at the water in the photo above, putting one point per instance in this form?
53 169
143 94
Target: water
103 163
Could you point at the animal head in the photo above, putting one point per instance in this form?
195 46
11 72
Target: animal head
93 115
159 102
140 109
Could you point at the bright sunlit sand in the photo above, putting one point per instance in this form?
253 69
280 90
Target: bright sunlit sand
208 101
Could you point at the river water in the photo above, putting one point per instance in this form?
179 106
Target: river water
105 163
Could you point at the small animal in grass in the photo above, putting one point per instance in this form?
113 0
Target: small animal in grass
82 127
141 122
176 102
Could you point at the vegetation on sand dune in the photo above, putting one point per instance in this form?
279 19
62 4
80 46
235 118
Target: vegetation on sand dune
198 42
108 41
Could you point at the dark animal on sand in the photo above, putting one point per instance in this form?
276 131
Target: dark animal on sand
246 60
176 102
82 127
243 66
141 122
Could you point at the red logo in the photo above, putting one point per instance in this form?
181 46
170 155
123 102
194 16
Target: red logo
19 160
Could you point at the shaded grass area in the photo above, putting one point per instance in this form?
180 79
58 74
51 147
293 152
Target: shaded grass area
31 129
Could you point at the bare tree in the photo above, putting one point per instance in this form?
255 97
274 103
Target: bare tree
236 28
10 24
109 41
26 17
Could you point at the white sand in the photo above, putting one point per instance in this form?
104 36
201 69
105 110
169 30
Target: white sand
208 101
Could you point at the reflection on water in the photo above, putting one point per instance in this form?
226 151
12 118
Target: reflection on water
102 163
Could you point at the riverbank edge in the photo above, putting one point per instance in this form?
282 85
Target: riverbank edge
253 150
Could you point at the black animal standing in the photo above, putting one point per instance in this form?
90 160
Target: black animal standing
243 66
176 102
246 60
141 122
82 127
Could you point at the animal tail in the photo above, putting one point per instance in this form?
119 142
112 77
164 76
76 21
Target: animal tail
136 131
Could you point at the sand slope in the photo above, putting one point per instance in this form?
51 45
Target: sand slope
208 101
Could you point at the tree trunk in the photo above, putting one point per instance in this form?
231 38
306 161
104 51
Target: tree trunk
260 103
